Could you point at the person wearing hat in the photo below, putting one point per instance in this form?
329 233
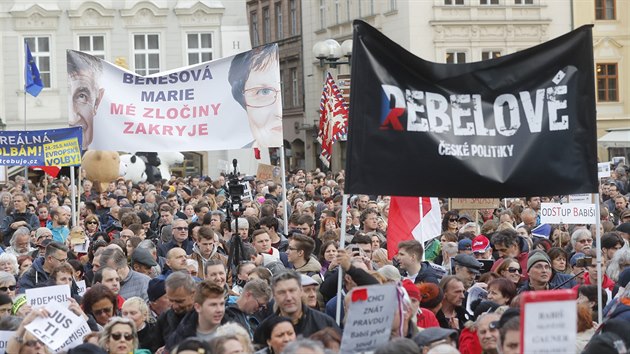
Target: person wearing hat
624 231
434 336
464 246
142 261
310 289
424 318
467 268
539 271
158 301
624 217
481 248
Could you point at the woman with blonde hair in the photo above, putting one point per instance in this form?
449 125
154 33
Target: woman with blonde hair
137 310
119 336
379 257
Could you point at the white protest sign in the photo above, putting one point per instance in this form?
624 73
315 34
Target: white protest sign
44 296
474 293
4 340
603 170
76 337
581 198
570 213
55 329
549 322
82 287
369 318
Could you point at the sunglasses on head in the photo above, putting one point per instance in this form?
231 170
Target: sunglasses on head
117 336
7 288
514 270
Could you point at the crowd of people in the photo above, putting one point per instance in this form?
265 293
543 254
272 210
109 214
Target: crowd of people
169 268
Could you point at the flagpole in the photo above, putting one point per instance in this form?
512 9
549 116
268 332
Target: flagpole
74 197
598 251
284 191
25 167
342 245
422 227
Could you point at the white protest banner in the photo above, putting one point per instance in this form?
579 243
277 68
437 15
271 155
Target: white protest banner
229 103
581 198
55 329
369 318
548 321
44 296
76 337
603 170
4 340
82 287
570 213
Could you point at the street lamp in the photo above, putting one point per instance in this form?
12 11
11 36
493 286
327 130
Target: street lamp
330 51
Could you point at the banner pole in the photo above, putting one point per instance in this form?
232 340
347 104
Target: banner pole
78 198
74 196
598 250
342 245
25 167
284 191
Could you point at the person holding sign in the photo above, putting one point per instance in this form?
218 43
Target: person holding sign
24 341
254 77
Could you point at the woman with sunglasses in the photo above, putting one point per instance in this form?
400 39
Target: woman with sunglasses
510 269
23 342
91 225
119 336
7 284
100 304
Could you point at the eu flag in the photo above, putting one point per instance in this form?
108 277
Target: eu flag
32 80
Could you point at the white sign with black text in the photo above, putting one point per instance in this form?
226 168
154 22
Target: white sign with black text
4 340
369 318
44 296
569 213
57 328
550 327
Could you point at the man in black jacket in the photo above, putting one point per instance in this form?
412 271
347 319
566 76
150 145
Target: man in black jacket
18 218
255 296
180 290
287 294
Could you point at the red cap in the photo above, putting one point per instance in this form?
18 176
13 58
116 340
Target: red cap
411 289
480 244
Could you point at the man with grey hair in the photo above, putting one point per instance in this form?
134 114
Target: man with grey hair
304 346
581 240
21 243
152 248
255 296
180 291
132 283
488 335
287 295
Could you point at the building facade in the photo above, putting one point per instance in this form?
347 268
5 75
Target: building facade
446 31
611 44
145 36
280 21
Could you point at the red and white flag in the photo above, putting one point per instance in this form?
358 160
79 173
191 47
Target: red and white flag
412 218
333 120
50 170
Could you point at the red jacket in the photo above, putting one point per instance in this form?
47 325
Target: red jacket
427 319
469 342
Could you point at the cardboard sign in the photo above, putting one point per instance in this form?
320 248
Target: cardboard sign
369 318
82 287
475 203
581 198
269 173
4 340
38 297
57 328
570 213
548 321
603 170
76 337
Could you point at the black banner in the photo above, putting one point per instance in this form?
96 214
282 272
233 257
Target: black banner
520 125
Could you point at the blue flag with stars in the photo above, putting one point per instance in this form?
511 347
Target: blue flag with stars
32 80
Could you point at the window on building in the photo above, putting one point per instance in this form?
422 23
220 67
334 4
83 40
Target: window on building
40 49
278 13
348 7
199 47
93 45
604 9
523 2
490 55
266 25
489 2
254 23
295 89
293 14
393 5
337 5
454 2
371 5
607 82
282 88
322 14
455 57
146 52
